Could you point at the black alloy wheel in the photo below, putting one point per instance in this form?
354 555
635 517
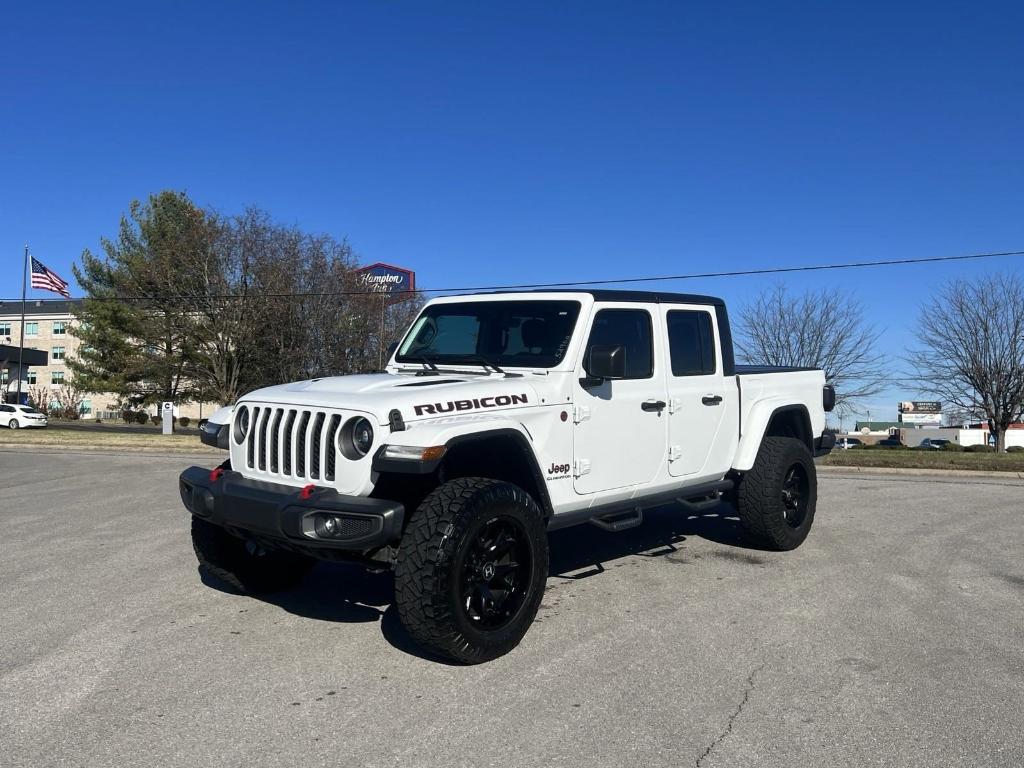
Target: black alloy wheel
495 576
795 486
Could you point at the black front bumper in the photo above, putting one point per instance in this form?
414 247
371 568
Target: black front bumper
279 516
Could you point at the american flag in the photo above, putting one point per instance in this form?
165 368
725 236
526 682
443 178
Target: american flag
47 280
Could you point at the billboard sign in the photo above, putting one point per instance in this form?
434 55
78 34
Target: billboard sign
391 282
921 412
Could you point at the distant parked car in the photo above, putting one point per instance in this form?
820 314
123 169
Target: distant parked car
848 442
934 443
890 442
18 416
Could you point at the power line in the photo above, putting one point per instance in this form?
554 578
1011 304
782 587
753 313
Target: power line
580 283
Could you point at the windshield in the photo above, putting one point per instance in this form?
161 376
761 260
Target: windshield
528 334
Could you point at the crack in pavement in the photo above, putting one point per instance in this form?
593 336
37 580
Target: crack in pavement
732 718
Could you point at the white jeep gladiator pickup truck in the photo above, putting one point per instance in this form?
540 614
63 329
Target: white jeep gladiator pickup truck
500 417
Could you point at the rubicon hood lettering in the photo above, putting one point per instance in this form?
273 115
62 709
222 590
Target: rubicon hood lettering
497 401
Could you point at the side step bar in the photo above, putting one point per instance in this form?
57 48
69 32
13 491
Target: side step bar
619 522
628 513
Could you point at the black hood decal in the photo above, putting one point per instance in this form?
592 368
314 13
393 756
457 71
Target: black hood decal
497 401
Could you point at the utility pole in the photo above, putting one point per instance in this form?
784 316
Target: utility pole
383 315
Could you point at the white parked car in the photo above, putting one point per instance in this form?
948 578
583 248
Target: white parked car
501 417
18 416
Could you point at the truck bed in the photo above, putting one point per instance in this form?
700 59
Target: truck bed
749 370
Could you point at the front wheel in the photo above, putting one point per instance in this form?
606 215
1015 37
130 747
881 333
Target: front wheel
471 569
776 499
13 424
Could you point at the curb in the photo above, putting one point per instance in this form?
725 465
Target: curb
1005 475
100 449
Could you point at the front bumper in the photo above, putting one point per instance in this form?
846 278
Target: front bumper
278 515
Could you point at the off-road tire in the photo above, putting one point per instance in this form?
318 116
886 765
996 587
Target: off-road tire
438 543
760 496
13 424
227 558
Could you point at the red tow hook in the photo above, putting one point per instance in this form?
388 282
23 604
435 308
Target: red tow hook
216 473
307 491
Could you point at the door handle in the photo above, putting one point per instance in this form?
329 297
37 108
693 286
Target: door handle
653 405
711 399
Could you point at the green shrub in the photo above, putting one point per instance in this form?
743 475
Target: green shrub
141 417
1015 449
980 449
155 419
128 416
184 421
953 448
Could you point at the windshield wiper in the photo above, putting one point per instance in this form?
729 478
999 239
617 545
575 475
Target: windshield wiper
432 369
485 363
488 364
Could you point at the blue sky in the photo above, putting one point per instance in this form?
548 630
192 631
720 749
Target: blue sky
490 143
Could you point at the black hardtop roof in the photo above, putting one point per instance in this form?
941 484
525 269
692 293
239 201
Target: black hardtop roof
645 297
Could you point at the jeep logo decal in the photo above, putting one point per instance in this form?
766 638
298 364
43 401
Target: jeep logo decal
469 405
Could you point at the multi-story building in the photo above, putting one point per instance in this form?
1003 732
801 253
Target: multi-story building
48 330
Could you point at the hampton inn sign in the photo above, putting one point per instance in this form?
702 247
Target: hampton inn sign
390 281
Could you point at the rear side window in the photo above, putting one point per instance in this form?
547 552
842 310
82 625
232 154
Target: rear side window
691 343
632 329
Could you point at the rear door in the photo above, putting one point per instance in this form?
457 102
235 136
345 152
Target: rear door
621 425
703 405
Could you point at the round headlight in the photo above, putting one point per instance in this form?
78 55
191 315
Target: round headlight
362 436
241 424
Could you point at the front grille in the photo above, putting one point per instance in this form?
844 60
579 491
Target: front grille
292 442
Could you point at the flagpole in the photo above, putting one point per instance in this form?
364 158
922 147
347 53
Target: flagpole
21 349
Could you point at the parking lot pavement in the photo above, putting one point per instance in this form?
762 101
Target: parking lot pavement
891 638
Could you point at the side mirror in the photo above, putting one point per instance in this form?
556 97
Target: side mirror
606 362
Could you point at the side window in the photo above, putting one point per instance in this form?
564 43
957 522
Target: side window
691 343
632 329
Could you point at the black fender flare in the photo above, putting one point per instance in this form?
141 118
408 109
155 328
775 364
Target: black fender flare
425 467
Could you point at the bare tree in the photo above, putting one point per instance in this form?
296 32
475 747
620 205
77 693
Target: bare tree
39 397
69 399
971 351
780 329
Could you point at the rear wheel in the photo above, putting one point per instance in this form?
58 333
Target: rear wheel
776 499
471 569
243 565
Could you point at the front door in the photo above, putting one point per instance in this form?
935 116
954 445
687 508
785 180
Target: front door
621 425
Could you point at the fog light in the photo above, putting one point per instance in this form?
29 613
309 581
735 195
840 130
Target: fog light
326 527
